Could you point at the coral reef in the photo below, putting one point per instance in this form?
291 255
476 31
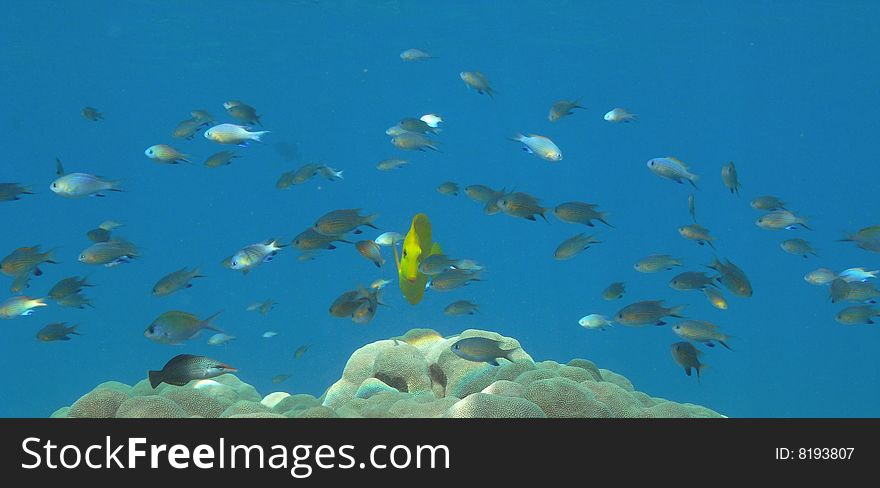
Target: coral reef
415 375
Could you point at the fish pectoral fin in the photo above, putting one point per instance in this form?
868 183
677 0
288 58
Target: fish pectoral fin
493 362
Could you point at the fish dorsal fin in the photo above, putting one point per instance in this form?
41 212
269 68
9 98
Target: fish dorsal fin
59 169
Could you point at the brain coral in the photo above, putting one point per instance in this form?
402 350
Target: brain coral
563 398
415 375
483 405
151 406
244 407
98 403
196 402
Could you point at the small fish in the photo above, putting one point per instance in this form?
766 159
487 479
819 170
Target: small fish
730 178
244 113
78 185
221 158
389 238
798 247
580 213
839 290
820 276
233 134
481 350
478 82
732 277
263 307
453 278
540 146
522 205
183 368
280 378
269 334
781 219
371 251
857 274
174 327
461 307
692 207
767 202
688 357
187 129
860 292
867 238
700 331
715 297
311 240
862 314
389 164
413 141
74 300
656 263
329 173
439 262
411 55
487 196
698 233
102 233
433 120
91 113
202 116
573 246
346 304
691 280
367 307
619 115
412 124
448 188
673 169
26 260
111 253
614 291
175 281
164 153
56 332
220 338
249 257
594 321
339 222
13 191
20 306
395 130
301 350
562 108
646 312
379 284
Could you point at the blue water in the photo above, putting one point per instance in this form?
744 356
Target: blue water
787 90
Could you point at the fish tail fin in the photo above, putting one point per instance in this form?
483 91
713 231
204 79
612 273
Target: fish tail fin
155 378
677 311
693 181
723 342
39 302
49 256
258 136
508 353
208 323
803 222
72 330
114 185
197 272
369 219
518 137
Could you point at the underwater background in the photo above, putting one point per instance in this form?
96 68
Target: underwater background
786 90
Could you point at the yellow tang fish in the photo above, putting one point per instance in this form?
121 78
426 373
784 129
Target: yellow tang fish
417 245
